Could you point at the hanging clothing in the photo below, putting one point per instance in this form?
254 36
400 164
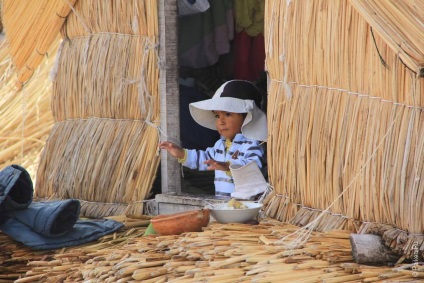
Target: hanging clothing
249 16
249 42
249 56
203 37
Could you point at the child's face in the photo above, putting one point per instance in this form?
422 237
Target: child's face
228 124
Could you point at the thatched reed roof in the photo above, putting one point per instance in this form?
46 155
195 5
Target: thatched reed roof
401 24
30 39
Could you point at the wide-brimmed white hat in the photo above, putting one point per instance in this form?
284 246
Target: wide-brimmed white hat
235 96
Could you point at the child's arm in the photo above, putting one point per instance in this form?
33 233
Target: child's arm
190 158
173 149
198 159
217 165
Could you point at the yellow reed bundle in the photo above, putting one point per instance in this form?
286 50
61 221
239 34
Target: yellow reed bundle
30 39
400 25
25 113
106 76
99 160
130 18
344 117
105 102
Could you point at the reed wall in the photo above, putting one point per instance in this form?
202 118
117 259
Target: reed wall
105 103
345 113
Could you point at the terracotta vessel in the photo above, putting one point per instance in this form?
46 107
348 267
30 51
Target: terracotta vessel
177 223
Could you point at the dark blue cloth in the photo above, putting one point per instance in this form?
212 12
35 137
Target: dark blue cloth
82 232
16 190
51 219
44 225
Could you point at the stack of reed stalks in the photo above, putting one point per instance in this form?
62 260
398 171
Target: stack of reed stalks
397 22
30 39
105 103
345 117
25 114
221 253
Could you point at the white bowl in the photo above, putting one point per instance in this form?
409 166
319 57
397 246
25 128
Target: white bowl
224 214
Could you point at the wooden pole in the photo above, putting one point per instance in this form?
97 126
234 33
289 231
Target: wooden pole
169 92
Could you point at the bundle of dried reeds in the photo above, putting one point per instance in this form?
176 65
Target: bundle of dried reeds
103 147
25 113
345 118
221 253
129 18
30 40
401 25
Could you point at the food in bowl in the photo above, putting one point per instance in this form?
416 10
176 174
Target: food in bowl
227 213
236 204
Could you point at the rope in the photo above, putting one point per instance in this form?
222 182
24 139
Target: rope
143 83
352 93
87 29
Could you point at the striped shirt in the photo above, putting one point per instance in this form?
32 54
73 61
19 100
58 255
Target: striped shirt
242 151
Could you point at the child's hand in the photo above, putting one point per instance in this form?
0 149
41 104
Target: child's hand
216 165
173 149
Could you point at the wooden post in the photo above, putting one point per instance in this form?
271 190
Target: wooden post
169 92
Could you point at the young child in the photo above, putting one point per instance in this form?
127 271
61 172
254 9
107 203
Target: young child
234 111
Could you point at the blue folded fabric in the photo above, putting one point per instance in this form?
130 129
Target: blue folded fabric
82 232
51 219
16 190
44 225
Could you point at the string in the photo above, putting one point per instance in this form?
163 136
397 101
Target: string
143 83
87 29
351 93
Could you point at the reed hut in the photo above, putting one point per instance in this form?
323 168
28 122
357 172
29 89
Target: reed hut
345 108
345 113
102 148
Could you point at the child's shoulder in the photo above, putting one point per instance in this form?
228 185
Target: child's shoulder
243 139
